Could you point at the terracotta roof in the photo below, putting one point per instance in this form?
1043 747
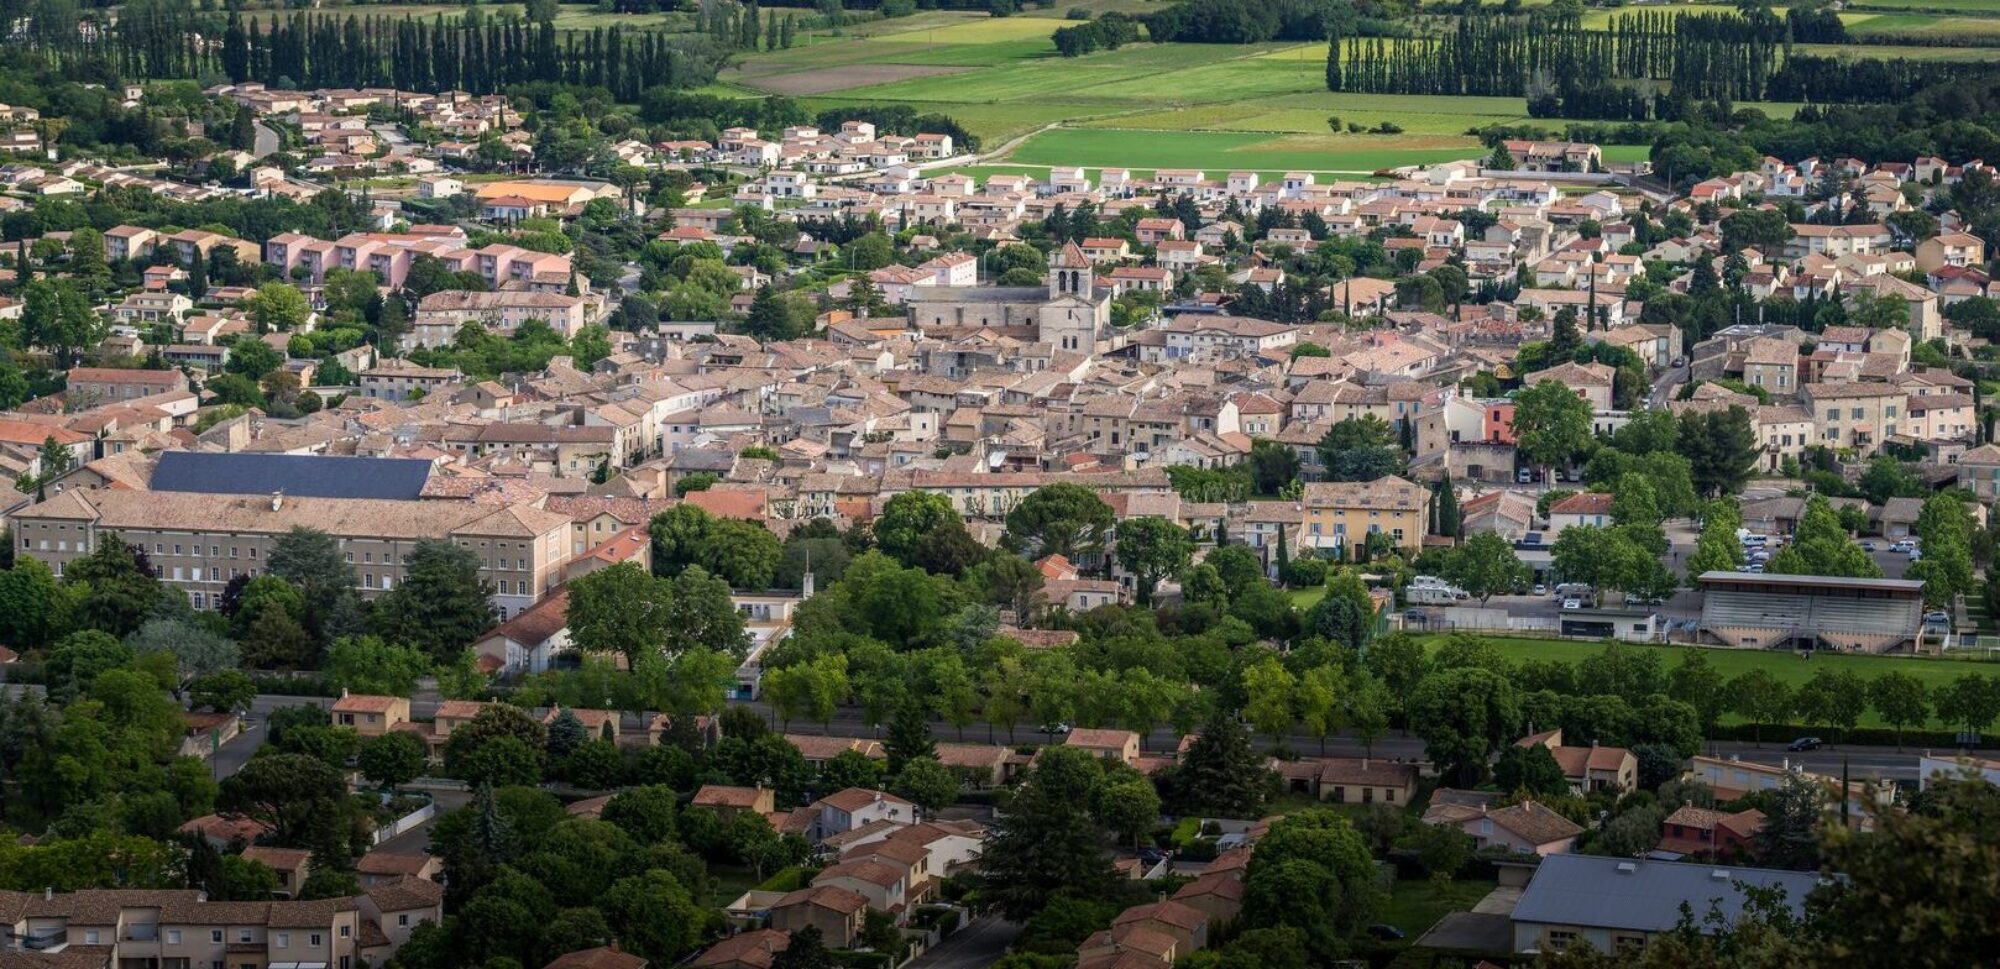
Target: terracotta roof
364 703
855 798
719 795
1534 823
831 897
602 957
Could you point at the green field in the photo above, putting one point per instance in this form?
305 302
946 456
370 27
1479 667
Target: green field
1786 666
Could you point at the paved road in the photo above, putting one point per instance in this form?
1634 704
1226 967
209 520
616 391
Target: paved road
1665 385
267 141
979 944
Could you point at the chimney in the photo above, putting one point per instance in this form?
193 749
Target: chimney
49 894
806 587
277 499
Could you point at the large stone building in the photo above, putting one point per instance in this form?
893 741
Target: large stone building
198 542
1070 315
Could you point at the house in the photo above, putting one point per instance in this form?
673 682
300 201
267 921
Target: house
1590 768
1351 780
727 802
1217 894
886 888
392 910
1525 828
1692 830
754 949
1588 508
846 810
1610 903
368 715
1340 515
837 912
1979 471
1119 745
292 865
1185 924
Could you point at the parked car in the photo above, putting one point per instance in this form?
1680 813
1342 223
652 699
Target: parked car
1153 856
1572 603
1541 590
1680 361
1803 744
1524 476
1385 932
1062 728
1903 545
1938 618
1751 567
1867 546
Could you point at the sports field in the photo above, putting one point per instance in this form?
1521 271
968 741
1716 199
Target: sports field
1787 667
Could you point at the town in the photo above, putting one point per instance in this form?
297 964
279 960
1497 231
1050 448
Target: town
553 487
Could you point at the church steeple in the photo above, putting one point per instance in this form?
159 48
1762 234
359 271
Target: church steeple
1071 272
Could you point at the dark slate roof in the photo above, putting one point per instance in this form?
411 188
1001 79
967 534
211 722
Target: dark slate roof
1624 893
297 475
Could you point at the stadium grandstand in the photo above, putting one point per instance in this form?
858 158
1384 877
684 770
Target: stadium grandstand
1763 611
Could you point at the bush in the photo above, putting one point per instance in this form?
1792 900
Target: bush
1305 573
294 684
788 879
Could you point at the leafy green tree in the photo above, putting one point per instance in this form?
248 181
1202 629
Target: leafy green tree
1699 684
1532 769
222 691
1832 698
654 916
119 590
289 792
278 307
1361 449
1946 569
58 316
33 604
1970 701
1551 425
1486 565
392 759
196 651
909 737
519 741
1821 546
1059 519
1270 689
1900 700
1760 697
442 605
1048 842
907 518
1129 807
366 664
1463 715
312 561
1222 774
1717 549
926 783
619 609
1152 548
1721 449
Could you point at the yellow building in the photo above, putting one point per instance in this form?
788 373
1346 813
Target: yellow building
1339 514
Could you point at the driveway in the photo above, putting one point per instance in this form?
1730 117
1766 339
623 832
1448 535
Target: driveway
981 943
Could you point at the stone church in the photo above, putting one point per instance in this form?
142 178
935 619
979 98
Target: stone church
1073 313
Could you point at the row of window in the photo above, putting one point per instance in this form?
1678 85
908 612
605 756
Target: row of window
282 940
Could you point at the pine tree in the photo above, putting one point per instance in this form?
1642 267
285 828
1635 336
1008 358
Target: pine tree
1449 522
909 736
197 281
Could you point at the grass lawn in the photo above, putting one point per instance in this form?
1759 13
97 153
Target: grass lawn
1417 903
731 881
1987 7
1934 673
